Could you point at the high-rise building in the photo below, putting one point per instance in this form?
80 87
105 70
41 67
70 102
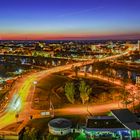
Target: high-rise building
139 45
138 80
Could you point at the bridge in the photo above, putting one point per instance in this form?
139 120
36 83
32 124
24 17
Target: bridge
40 60
36 60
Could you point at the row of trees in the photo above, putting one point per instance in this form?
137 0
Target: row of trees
130 97
126 97
84 90
30 134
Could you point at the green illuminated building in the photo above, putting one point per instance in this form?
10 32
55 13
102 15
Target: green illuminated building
122 125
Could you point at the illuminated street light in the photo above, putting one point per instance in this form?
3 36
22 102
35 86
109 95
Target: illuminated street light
20 70
35 82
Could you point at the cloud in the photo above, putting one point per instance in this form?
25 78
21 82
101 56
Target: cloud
81 11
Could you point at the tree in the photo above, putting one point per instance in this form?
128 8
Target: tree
75 69
134 96
26 134
33 134
85 91
138 96
52 137
70 91
124 96
55 138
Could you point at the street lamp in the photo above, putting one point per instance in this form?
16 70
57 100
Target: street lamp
51 109
35 83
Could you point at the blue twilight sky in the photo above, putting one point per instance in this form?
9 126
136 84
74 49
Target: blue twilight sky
69 18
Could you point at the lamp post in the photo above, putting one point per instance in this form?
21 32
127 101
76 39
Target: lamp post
51 108
34 84
88 110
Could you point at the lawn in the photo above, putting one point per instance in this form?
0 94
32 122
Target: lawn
44 92
51 88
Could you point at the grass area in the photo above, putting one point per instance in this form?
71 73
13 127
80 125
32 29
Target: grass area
39 124
101 91
44 92
52 88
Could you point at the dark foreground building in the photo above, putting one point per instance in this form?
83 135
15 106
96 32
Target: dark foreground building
122 125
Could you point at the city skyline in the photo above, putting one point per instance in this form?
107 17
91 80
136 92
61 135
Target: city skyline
59 19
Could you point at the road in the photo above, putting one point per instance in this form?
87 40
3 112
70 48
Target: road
98 108
21 101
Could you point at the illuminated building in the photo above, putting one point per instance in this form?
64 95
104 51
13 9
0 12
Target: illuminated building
105 127
139 45
122 125
138 80
60 126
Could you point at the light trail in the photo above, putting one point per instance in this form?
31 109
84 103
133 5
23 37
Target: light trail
25 88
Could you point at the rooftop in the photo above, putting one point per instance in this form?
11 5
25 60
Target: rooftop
60 123
103 122
127 118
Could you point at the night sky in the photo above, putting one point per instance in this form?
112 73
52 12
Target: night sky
69 19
